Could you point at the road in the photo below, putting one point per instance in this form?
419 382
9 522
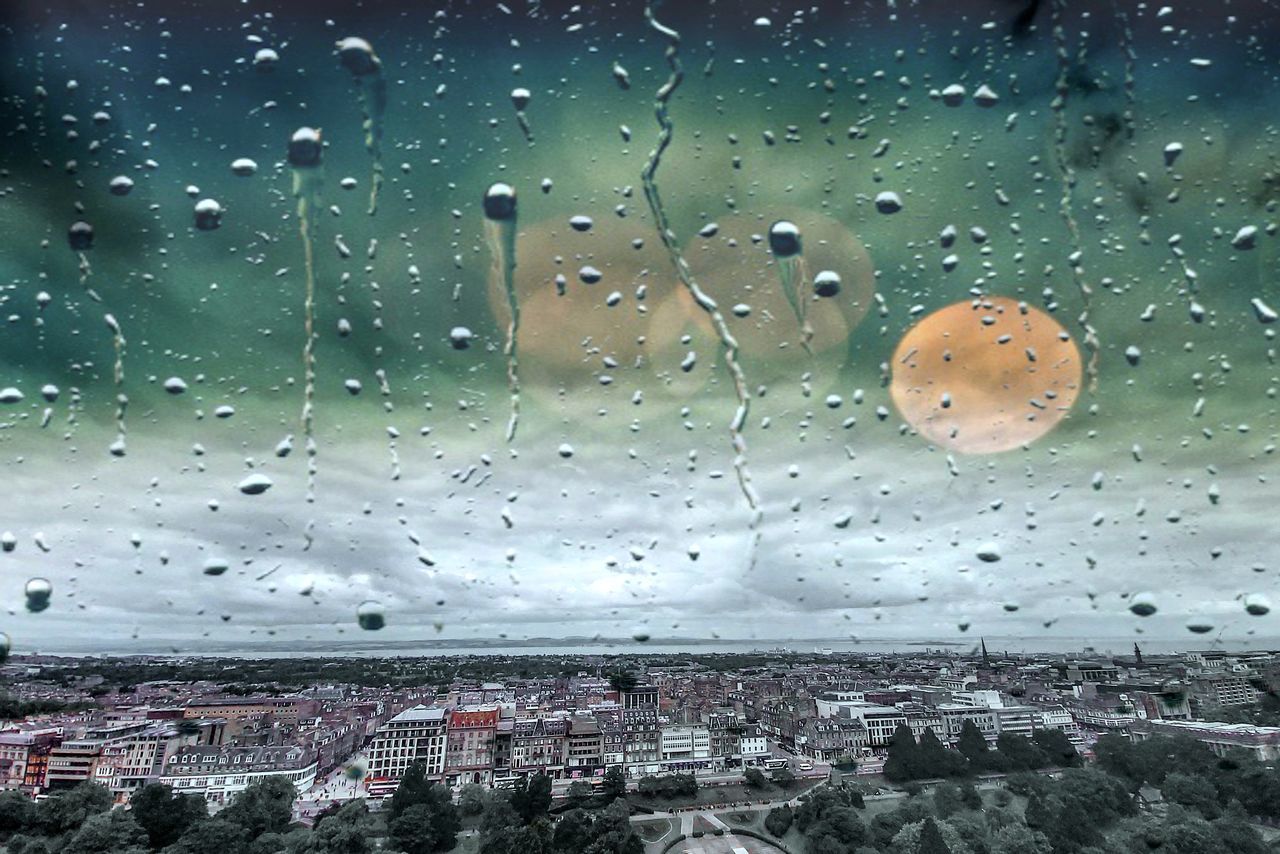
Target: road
335 787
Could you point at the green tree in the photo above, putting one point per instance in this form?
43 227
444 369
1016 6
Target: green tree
622 680
934 760
69 809
414 788
20 843
754 778
17 812
164 816
573 832
498 813
1019 839
1056 747
532 798
902 763
615 783
425 827
779 820
1195 793
1037 813
946 800
931 841
1238 835
839 831
613 833
471 799
783 777
113 832
532 838
215 835
349 830
1020 753
578 793
265 806
973 746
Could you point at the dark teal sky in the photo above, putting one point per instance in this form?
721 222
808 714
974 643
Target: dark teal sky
867 529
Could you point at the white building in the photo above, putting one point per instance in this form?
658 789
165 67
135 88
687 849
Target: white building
1261 741
685 743
753 743
416 734
220 773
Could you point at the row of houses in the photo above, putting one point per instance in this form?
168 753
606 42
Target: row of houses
211 746
488 745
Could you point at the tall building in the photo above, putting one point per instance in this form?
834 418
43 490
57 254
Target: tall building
470 746
415 735
24 758
640 697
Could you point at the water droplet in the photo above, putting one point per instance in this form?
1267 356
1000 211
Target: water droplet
38 592
371 615
208 214
255 484
1142 604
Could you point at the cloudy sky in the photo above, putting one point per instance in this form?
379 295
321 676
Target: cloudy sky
615 511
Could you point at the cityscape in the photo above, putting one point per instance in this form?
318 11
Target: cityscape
767 750
642 427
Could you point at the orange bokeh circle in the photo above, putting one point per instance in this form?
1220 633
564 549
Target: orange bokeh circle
985 375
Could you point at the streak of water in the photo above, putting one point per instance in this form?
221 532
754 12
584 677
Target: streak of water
500 235
305 149
648 175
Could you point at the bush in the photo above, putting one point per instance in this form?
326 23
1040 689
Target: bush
779 820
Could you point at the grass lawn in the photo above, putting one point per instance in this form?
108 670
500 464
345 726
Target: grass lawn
652 830
701 824
718 795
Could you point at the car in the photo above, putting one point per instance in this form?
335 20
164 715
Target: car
806 766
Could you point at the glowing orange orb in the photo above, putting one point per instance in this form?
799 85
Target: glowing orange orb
570 340
985 375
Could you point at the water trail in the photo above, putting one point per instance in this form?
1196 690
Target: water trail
1059 106
788 248
357 56
500 235
1130 67
122 400
520 98
704 301
305 149
80 239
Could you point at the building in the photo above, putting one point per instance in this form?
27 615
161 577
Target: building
752 744
1263 742
470 746
584 747
641 741
879 721
640 697
538 746
125 765
685 748
831 739
24 758
219 773
415 735
1219 690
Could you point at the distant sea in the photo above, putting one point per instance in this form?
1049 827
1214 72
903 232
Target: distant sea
586 647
